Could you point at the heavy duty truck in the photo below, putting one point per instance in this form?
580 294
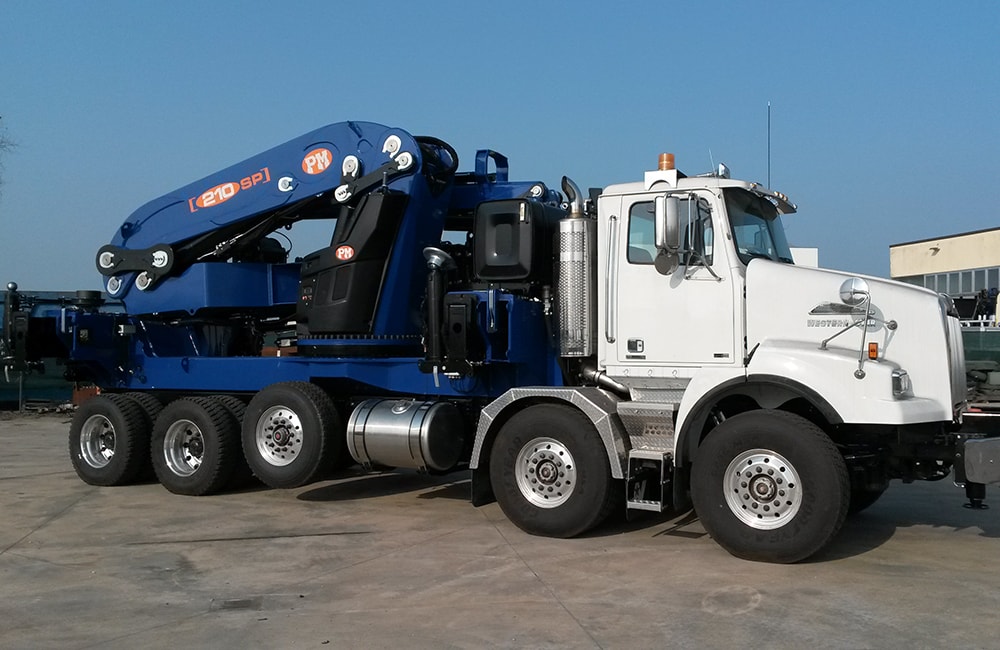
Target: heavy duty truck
645 347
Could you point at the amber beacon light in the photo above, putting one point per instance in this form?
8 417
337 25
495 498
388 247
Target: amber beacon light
666 162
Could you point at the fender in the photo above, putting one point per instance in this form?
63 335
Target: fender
600 406
769 391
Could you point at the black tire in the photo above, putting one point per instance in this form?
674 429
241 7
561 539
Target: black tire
151 408
770 486
109 440
288 434
550 472
150 405
242 476
195 446
234 405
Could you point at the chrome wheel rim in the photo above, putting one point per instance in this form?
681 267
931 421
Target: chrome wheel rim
97 441
546 472
279 436
762 489
183 447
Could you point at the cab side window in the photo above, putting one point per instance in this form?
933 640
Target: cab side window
641 244
696 223
699 235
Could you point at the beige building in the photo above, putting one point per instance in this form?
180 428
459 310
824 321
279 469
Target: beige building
959 265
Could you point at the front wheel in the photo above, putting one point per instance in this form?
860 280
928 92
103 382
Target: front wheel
770 486
550 472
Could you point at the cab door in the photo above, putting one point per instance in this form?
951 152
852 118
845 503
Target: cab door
687 317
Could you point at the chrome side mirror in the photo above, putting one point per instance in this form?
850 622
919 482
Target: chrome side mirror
854 292
667 233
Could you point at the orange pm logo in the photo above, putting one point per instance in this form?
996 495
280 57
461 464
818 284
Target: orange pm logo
317 161
344 253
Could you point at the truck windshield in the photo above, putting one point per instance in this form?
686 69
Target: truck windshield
756 226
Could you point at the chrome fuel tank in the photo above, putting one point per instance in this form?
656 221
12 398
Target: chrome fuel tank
406 433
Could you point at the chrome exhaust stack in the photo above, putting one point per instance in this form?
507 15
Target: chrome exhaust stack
576 270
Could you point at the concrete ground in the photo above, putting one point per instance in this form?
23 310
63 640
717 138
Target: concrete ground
403 560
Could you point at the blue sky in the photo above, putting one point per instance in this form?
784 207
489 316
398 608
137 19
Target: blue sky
883 114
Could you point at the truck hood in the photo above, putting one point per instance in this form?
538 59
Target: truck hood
798 306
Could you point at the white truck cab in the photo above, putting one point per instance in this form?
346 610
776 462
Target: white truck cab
724 302
777 398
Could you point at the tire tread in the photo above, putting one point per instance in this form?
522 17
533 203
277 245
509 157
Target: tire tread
713 510
317 404
218 429
572 428
131 445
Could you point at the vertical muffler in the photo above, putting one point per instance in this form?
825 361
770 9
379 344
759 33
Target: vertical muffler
576 278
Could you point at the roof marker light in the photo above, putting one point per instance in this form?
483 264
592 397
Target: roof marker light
666 162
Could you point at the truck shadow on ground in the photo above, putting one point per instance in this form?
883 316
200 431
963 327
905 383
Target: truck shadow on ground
872 528
354 484
861 533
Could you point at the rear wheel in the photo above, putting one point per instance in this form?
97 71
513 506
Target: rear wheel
234 405
242 476
109 440
550 472
288 434
195 446
150 407
149 404
770 486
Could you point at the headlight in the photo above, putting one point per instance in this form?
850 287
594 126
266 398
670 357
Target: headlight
901 384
